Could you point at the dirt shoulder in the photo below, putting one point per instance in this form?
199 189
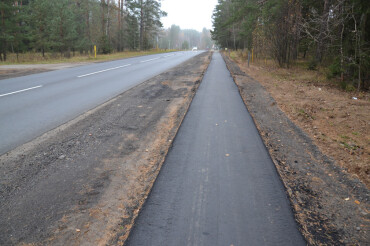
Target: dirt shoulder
330 204
85 182
335 121
35 63
13 71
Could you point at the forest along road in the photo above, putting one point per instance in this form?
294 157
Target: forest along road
218 185
32 105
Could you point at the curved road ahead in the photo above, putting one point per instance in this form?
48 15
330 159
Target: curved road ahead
34 104
218 185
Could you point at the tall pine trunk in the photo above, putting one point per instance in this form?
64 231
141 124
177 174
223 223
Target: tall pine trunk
3 46
87 23
141 25
107 22
321 36
102 2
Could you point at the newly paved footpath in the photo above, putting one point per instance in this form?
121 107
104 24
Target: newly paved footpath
218 185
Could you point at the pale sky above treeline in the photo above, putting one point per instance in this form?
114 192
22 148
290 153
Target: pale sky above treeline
188 14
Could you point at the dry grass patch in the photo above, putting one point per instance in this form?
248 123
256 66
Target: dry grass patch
52 58
338 123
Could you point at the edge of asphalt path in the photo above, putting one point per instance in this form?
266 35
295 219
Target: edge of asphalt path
85 181
218 185
330 205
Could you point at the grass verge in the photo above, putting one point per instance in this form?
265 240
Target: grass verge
54 58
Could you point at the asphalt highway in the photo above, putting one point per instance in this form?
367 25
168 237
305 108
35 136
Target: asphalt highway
32 105
218 185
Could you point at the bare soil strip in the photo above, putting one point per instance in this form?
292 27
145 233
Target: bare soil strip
13 71
84 182
338 121
331 205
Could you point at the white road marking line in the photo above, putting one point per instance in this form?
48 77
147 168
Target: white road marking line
150 60
105 70
14 92
168 55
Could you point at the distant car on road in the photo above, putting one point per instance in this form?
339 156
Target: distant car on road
195 49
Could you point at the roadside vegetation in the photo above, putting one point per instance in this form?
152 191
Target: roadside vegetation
51 31
314 59
327 35
335 117
51 58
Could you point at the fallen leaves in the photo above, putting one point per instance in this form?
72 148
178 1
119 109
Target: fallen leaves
356 201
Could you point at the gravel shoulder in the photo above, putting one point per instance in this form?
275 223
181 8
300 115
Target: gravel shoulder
84 182
330 205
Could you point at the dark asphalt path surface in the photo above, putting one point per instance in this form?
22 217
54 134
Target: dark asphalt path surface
32 105
218 185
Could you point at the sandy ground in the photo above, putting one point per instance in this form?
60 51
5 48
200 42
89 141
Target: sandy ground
84 182
336 122
330 203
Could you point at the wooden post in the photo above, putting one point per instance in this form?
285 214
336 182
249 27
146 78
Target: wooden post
249 57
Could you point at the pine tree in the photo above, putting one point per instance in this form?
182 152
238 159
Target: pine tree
148 13
38 19
8 26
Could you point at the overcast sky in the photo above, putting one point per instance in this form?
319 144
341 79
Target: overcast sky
188 14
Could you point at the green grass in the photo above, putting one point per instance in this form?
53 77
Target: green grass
344 143
303 113
233 55
348 146
55 58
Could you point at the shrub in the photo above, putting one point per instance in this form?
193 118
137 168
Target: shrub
343 85
350 88
312 65
104 45
334 69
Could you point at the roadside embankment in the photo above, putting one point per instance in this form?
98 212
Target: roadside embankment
330 205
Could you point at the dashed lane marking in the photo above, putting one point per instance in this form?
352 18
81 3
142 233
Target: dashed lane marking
150 60
101 71
14 92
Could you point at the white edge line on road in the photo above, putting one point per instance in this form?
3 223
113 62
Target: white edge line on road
168 55
14 92
150 60
101 71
